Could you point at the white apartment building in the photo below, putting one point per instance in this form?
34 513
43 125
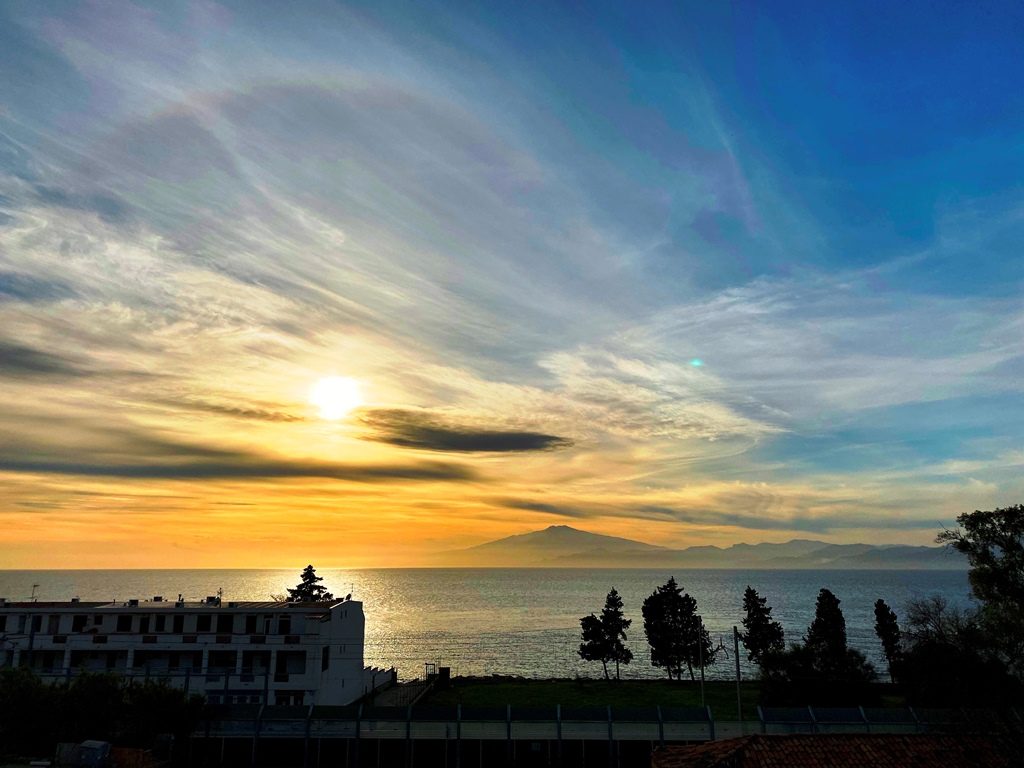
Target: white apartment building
231 652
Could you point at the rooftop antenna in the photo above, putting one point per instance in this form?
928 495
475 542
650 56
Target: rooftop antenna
33 597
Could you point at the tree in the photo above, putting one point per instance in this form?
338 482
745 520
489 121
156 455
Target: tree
309 589
595 645
888 631
993 542
949 658
604 638
615 626
932 620
675 631
823 669
826 637
761 636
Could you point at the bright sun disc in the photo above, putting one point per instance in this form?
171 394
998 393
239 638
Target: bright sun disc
335 396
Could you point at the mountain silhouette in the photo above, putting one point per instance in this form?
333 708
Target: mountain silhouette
561 546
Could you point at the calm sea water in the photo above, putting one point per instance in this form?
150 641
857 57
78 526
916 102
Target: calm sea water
518 621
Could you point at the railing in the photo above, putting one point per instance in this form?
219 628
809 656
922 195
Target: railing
557 723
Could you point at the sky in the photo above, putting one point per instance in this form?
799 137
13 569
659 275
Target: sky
689 273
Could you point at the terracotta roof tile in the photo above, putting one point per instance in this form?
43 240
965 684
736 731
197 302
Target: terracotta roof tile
840 751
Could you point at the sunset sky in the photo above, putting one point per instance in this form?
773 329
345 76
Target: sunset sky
690 273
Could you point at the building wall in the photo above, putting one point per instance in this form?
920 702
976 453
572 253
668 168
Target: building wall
271 653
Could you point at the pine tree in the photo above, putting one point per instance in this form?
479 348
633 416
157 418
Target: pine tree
603 637
762 636
309 589
888 631
675 631
660 611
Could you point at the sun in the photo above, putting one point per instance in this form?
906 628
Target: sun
335 396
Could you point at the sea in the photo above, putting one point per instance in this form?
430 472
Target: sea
522 622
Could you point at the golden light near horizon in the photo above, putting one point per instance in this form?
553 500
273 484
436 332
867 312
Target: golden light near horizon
335 397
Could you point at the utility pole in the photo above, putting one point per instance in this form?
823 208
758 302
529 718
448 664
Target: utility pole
739 703
700 655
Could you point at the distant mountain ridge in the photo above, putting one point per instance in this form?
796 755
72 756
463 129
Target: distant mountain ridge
561 546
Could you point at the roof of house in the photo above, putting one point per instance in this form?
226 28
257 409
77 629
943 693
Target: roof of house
879 750
170 605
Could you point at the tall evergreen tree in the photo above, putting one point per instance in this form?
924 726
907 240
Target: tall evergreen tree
675 632
309 589
888 631
761 636
615 626
595 645
604 637
826 637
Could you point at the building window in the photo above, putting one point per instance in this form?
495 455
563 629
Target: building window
98 620
160 623
284 625
37 623
203 622
250 625
3 623
124 623
143 624
225 623
77 622
179 624
325 658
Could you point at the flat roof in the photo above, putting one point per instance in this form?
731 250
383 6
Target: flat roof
161 605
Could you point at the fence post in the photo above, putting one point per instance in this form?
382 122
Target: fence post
255 734
305 741
611 741
739 700
458 736
408 735
508 734
558 731
661 728
359 721
917 720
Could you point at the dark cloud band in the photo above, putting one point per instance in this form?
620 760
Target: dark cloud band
199 470
413 429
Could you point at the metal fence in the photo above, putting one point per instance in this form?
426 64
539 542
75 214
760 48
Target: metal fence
558 723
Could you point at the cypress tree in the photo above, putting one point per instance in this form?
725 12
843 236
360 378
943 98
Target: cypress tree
888 631
762 636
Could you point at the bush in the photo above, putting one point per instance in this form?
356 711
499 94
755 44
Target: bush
798 677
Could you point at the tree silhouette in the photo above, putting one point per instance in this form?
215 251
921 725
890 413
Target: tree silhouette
603 637
762 636
993 542
675 632
309 589
888 631
826 637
